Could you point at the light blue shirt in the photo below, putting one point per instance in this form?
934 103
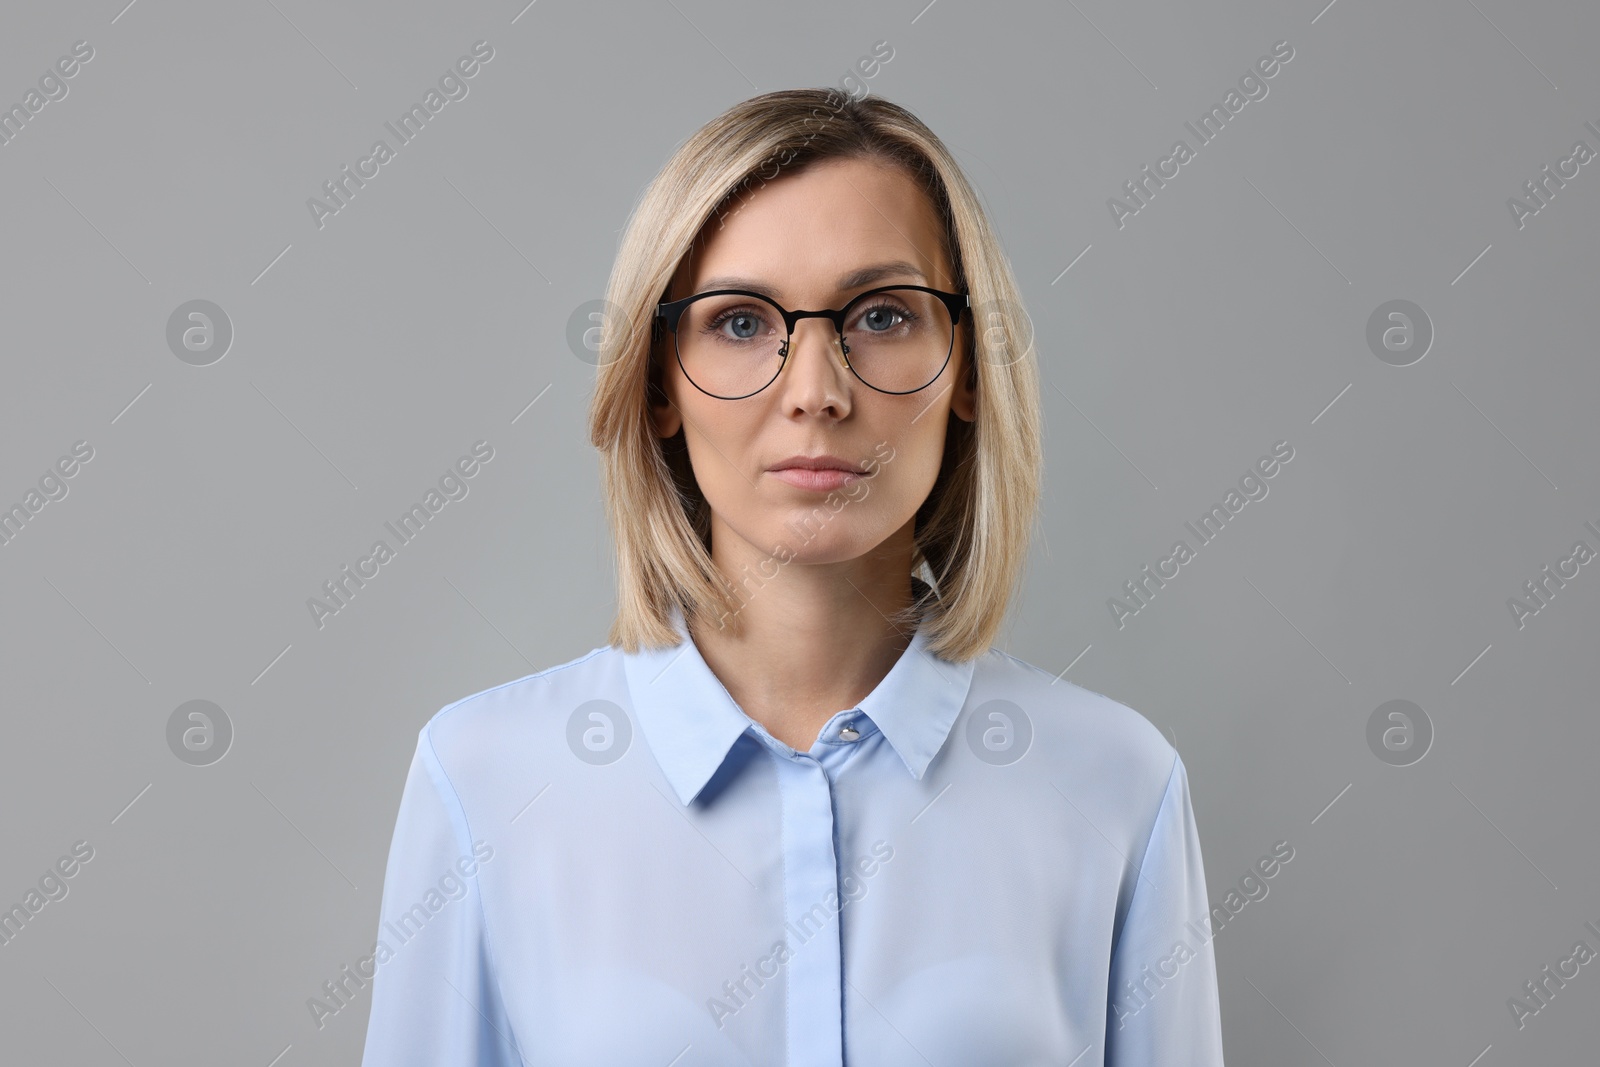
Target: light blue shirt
608 862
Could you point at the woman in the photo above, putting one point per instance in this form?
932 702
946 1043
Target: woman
798 810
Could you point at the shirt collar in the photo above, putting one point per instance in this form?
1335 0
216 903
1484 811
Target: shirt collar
691 722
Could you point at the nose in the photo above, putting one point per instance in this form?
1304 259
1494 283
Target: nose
824 335
811 380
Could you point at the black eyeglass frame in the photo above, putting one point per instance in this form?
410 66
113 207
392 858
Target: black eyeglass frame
669 313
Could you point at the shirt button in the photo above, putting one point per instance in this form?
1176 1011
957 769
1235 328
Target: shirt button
849 733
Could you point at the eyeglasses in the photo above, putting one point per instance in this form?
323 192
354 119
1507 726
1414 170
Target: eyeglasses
895 339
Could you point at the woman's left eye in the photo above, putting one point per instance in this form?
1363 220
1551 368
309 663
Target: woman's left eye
875 316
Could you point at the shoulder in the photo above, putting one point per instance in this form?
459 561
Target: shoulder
468 735
1079 734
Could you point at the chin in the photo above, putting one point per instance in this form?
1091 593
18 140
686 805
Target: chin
826 537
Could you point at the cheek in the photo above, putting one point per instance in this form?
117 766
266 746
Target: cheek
918 449
908 465
914 470
721 443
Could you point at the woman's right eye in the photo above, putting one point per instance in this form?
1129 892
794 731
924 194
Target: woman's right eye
741 325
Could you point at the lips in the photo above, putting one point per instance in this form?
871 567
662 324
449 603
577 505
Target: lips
817 463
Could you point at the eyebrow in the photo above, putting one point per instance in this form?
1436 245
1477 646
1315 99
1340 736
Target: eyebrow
854 280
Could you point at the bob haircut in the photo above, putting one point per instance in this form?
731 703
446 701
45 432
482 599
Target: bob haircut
972 532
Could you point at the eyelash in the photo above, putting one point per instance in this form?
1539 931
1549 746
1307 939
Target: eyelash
716 324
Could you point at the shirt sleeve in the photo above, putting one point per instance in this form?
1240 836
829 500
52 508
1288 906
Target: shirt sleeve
435 995
1163 1008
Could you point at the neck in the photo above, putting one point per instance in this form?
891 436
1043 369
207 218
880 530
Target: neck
811 641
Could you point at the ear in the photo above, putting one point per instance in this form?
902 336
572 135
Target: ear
664 413
666 419
964 397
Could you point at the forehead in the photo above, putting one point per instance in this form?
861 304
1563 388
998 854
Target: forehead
803 232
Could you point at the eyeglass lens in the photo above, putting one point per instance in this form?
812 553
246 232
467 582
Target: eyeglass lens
732 346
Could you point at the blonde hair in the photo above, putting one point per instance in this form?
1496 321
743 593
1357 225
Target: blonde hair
972 532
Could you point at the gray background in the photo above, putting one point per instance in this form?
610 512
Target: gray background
1230 313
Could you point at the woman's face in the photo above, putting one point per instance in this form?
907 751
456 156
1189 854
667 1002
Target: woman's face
802 234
